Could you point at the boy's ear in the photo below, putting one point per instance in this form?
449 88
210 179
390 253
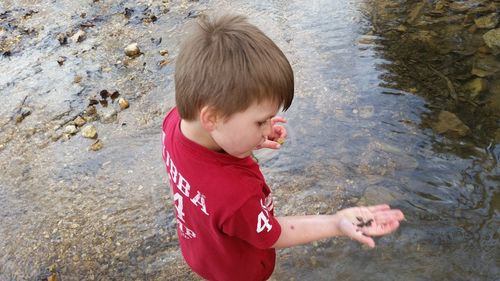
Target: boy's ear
208 118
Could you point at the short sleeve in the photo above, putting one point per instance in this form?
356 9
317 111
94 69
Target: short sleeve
254 223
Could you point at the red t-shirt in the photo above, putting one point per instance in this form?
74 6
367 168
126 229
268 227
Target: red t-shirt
224 209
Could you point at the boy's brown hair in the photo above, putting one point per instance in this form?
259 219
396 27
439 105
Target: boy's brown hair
229 64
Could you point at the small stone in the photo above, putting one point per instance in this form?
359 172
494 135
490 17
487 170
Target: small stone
61 60
402 28
79 121
90 111
70 130
449 123
97 145
108 115
89 131
79 36
62 38
476 87
52 268
24 112
492 40
123 103
163 62
132 50
489 21
77 79
164 52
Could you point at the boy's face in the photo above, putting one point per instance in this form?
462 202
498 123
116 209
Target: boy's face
243 131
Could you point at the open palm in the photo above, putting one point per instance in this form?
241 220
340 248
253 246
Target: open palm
360 223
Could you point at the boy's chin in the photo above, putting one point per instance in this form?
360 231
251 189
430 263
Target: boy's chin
242 155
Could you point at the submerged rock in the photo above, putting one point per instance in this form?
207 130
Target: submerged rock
79 36
108 116
61 60
475 87
485 66
97 145
89 131
492 39
70 130
123 103
132 50
489 21
449 123
79 121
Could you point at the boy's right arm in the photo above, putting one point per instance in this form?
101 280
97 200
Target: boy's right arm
358 223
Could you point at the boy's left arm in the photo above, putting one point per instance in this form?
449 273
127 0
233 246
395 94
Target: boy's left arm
358 223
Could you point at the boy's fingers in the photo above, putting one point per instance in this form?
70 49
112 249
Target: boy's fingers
280 131
380 207
354 233
270 144
277 119
388 216
364 239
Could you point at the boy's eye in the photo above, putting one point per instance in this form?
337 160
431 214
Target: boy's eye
262 123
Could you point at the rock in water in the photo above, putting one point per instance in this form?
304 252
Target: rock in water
132 50
79 36
96 146
492 39
448 123
123 103
89 131
70 129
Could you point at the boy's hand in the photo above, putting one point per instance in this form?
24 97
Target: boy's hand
359 223
277 136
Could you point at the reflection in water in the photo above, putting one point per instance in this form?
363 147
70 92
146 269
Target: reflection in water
372 78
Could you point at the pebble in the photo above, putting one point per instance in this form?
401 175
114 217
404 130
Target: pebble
123 103
89 131
62 38
61 60
79 36
70 129
96 145
90 111
108 116
79 121
132 50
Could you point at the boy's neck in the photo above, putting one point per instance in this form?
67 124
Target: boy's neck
193 131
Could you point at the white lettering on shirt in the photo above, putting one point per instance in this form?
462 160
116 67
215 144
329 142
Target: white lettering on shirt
263 217
183 186
179 205
200 199
181 190
263 222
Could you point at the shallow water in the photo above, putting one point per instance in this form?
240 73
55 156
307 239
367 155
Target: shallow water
358 136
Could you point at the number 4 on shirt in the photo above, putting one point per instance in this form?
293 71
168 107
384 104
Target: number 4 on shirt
263 222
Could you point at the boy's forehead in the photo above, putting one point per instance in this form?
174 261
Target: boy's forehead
266 108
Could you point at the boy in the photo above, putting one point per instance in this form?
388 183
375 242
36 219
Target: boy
231 81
